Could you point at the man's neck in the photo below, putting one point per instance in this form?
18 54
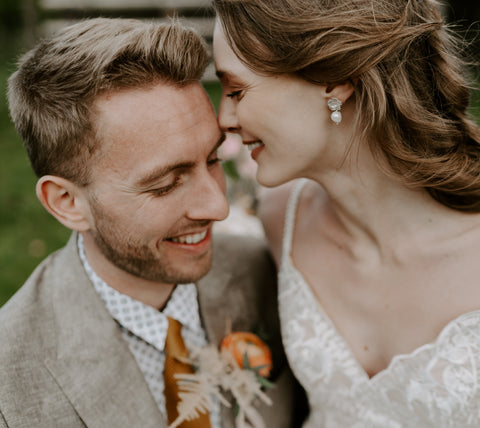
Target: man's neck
151 293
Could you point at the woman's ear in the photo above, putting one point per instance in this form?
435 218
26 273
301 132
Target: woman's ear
65 201
341 91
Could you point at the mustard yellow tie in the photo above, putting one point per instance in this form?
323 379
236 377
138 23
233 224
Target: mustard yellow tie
175 347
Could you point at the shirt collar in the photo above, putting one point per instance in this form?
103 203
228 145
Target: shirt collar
140 319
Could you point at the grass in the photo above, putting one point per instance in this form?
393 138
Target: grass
28 233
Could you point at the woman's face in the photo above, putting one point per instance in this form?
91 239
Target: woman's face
284 120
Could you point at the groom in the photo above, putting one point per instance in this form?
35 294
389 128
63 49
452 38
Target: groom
124 141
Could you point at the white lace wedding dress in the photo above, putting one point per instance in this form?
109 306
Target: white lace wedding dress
437 385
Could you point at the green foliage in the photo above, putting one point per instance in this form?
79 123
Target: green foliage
10 15
230 169
28 232
214 90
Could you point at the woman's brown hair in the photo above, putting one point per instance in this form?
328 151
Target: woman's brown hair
411 91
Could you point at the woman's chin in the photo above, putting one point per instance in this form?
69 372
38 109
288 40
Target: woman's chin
271 178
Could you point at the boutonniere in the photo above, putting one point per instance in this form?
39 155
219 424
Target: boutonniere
240 367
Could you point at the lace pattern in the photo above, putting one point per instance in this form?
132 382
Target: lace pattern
437 385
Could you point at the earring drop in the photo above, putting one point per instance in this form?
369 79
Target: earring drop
334 104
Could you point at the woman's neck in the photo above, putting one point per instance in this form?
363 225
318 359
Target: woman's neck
381 217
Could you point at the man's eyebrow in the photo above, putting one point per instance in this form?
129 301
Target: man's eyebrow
153 176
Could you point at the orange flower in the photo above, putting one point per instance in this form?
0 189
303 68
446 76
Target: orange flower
248 346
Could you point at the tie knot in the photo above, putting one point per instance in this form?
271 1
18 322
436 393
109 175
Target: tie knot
174 326
174 344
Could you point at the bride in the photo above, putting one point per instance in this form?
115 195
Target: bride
378 241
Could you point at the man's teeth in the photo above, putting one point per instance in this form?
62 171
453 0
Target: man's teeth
253 146
190 239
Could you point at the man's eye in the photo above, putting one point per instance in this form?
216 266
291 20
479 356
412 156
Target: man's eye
165 189
214 161
234 94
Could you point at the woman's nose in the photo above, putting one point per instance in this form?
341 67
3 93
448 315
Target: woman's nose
227 116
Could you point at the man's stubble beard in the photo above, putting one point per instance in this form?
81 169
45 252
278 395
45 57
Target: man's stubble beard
139 259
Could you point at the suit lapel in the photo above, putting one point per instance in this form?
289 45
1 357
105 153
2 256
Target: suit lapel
219 300
212 302
91 362
214 312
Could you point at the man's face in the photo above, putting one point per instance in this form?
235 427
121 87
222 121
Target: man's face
157 185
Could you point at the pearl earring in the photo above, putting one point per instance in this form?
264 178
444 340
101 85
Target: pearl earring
334 104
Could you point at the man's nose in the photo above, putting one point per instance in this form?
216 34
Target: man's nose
208 201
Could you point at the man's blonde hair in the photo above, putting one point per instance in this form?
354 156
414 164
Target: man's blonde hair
52 92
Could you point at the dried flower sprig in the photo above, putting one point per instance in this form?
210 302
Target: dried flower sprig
219 372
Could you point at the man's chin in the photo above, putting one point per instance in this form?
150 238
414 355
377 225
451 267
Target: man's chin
194 275
184 274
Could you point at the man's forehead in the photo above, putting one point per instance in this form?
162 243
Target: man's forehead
144 127
169 111
161 96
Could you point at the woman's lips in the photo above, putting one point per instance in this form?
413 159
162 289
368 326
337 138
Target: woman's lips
255 147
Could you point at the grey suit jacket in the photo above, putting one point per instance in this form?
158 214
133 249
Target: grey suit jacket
64 363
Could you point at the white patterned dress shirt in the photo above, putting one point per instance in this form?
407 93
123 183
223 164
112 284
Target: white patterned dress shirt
144 328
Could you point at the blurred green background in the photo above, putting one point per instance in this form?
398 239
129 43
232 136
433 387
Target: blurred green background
27 233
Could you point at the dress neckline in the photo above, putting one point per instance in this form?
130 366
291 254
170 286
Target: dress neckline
345 347
288 263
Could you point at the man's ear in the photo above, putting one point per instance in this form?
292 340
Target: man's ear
341 91
65 201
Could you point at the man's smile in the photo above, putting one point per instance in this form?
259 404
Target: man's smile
194 238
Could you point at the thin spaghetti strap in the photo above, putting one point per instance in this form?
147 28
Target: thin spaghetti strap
290 214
